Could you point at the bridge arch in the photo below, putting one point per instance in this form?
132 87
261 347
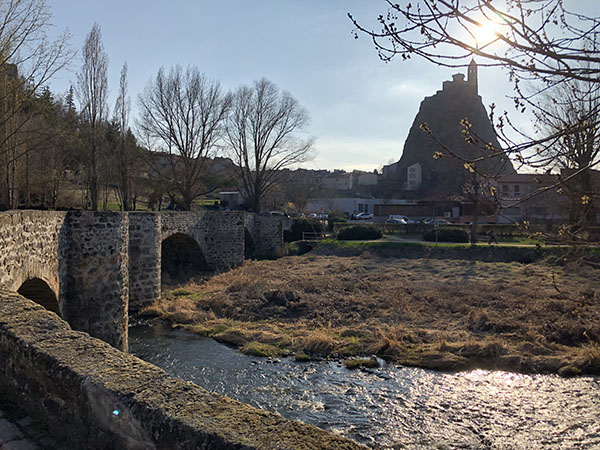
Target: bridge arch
40 292
181 258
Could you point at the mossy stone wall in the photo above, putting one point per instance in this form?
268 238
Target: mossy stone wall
100 398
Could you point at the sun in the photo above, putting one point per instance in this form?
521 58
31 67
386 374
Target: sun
486 33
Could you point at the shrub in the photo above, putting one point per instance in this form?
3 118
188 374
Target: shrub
300 247
358 232
302 225
301 357
447 235
336 216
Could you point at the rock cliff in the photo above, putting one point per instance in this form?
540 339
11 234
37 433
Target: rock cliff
443 114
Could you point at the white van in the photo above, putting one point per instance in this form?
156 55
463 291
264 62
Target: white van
397 218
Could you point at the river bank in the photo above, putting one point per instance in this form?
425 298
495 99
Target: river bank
390 407
446 315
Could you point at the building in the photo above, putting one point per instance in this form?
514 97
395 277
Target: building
536 198
382 207
339 180
360 179
414 176
542 198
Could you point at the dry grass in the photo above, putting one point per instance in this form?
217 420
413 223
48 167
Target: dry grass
441 314
318 343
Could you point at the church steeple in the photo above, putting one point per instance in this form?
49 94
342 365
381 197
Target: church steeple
472 74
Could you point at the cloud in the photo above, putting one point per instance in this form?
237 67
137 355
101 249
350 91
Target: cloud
351 153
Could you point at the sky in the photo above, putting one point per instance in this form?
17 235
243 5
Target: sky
361 108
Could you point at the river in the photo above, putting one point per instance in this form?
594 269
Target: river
390 407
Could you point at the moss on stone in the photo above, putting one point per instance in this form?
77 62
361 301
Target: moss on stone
358 363
255 348
100 397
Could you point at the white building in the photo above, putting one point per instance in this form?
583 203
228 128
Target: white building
413 177
350 205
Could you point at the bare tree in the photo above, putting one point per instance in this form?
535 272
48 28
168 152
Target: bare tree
301 185
182 119
538 41
264 136
445 32
93 92
27 62
121 118
572 106
24 42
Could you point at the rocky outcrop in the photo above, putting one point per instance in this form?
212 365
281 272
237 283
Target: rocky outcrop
443 114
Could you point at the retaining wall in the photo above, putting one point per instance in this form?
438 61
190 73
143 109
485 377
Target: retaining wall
103 399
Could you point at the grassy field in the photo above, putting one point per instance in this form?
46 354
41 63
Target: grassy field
441 314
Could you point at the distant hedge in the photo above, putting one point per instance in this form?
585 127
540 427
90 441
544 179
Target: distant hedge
299 226
359 233
336 216
447 235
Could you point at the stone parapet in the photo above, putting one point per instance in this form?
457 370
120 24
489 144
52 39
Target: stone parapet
100 398
266 232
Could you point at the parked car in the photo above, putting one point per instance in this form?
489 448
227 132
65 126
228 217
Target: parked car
433 221
277 213
364 216
396 221
401 218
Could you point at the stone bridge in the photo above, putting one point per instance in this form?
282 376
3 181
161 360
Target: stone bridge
100 398
92 268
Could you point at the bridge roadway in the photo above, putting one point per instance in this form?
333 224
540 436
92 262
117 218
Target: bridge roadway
19 431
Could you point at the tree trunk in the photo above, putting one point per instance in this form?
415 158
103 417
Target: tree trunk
124 182
94 194
186 202
475 211
256 201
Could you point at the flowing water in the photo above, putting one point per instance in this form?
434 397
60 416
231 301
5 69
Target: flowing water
390 407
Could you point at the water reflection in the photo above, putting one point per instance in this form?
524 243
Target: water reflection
391 407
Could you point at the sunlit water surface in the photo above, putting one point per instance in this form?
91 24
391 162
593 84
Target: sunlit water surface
390 407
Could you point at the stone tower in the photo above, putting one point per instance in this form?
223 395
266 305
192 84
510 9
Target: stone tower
472 74
443 113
